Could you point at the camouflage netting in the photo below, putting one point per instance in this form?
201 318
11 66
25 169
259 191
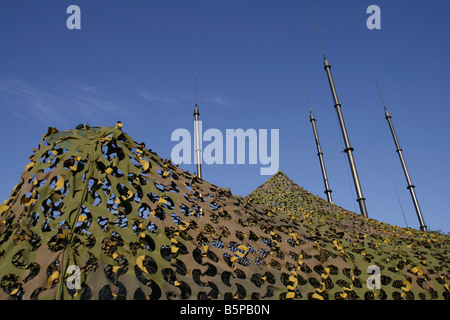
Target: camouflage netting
98 216
413 264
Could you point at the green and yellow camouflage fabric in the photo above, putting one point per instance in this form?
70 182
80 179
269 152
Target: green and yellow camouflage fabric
98 216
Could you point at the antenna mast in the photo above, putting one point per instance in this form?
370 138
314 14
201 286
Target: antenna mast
348 149
319 149
198 149
410 186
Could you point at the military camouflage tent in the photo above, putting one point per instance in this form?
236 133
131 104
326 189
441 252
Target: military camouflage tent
98 216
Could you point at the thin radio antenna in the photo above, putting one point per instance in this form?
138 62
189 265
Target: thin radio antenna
399 202
306 87
317 28
195 75
376 83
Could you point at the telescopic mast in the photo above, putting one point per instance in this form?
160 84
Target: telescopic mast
348 149
196 122
319 148
399 150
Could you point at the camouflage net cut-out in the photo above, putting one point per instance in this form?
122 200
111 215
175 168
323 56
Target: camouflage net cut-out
98 216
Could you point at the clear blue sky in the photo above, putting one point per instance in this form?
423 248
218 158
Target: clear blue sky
134 61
